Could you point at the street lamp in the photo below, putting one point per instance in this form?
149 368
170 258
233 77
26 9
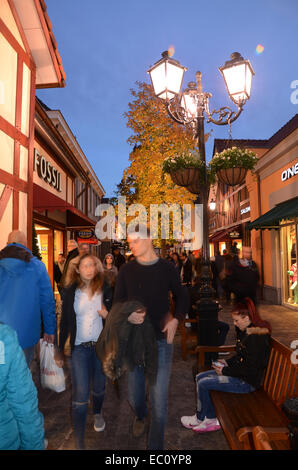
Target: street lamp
188 108
212 205
237 74
166 77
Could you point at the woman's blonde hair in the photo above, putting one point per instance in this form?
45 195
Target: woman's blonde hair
97 282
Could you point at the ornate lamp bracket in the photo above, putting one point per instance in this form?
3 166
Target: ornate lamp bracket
225 114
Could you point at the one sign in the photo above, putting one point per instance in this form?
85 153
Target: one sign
246 209
46 171
289 173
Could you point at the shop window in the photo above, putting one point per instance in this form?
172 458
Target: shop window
289 264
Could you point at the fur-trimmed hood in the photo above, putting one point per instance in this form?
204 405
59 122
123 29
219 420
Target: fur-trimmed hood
257 330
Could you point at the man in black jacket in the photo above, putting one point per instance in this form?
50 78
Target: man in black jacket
186 270
149 280
244 276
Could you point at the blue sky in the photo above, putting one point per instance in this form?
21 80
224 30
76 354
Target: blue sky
107 46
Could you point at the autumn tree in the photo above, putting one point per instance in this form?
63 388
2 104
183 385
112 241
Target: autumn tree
155 136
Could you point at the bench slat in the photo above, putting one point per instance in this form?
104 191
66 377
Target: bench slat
282 378
277 378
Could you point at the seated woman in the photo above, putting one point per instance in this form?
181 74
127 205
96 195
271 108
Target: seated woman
242 373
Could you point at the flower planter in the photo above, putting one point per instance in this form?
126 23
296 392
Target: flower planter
195 187
232 176
185 176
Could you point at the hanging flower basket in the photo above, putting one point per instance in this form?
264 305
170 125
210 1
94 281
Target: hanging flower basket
231 165
185 169
232 176
195 187
185 176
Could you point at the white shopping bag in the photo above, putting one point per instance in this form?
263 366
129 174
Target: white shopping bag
51 376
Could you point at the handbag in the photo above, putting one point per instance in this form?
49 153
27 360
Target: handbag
51 376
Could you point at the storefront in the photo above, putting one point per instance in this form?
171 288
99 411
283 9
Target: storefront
274 206
289 237
56 172
65 189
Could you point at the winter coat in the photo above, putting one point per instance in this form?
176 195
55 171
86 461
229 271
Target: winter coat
186 272
123 345
68 323
21 424
243 280
252 355
25 293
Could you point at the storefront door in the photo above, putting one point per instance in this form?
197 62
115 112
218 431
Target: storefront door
289 239
45 239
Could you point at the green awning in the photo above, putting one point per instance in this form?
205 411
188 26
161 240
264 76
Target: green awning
287 210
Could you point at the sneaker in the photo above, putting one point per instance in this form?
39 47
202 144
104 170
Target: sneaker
190 421
138 427
99 423
208 425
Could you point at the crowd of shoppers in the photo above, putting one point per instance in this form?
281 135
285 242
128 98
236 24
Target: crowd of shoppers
140 288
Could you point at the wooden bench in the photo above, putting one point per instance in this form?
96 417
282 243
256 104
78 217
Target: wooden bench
264 437
238 414
188 337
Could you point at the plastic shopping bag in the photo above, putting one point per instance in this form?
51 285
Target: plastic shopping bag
51 376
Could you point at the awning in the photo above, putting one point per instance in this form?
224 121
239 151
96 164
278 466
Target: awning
220 235
43 200
270 220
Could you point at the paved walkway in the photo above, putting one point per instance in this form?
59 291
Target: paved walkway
56 408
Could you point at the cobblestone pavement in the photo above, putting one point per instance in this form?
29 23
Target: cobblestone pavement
118 415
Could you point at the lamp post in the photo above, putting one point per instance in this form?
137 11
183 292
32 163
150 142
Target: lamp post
188 108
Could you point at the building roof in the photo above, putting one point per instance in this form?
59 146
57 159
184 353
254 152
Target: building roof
40 42
221 144
284 131
281 134
69 138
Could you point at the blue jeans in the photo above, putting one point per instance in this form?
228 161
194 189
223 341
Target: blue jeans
85 368
158 394
209 380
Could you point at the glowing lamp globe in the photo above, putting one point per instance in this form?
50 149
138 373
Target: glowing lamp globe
238 74
166 77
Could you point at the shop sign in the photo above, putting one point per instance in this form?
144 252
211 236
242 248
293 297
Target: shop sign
46 171
246 209
87 236
187 246
234 234
289 173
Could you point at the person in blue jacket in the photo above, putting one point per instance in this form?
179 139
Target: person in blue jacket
26 293
21 423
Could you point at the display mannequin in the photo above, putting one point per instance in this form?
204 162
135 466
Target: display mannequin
294 286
